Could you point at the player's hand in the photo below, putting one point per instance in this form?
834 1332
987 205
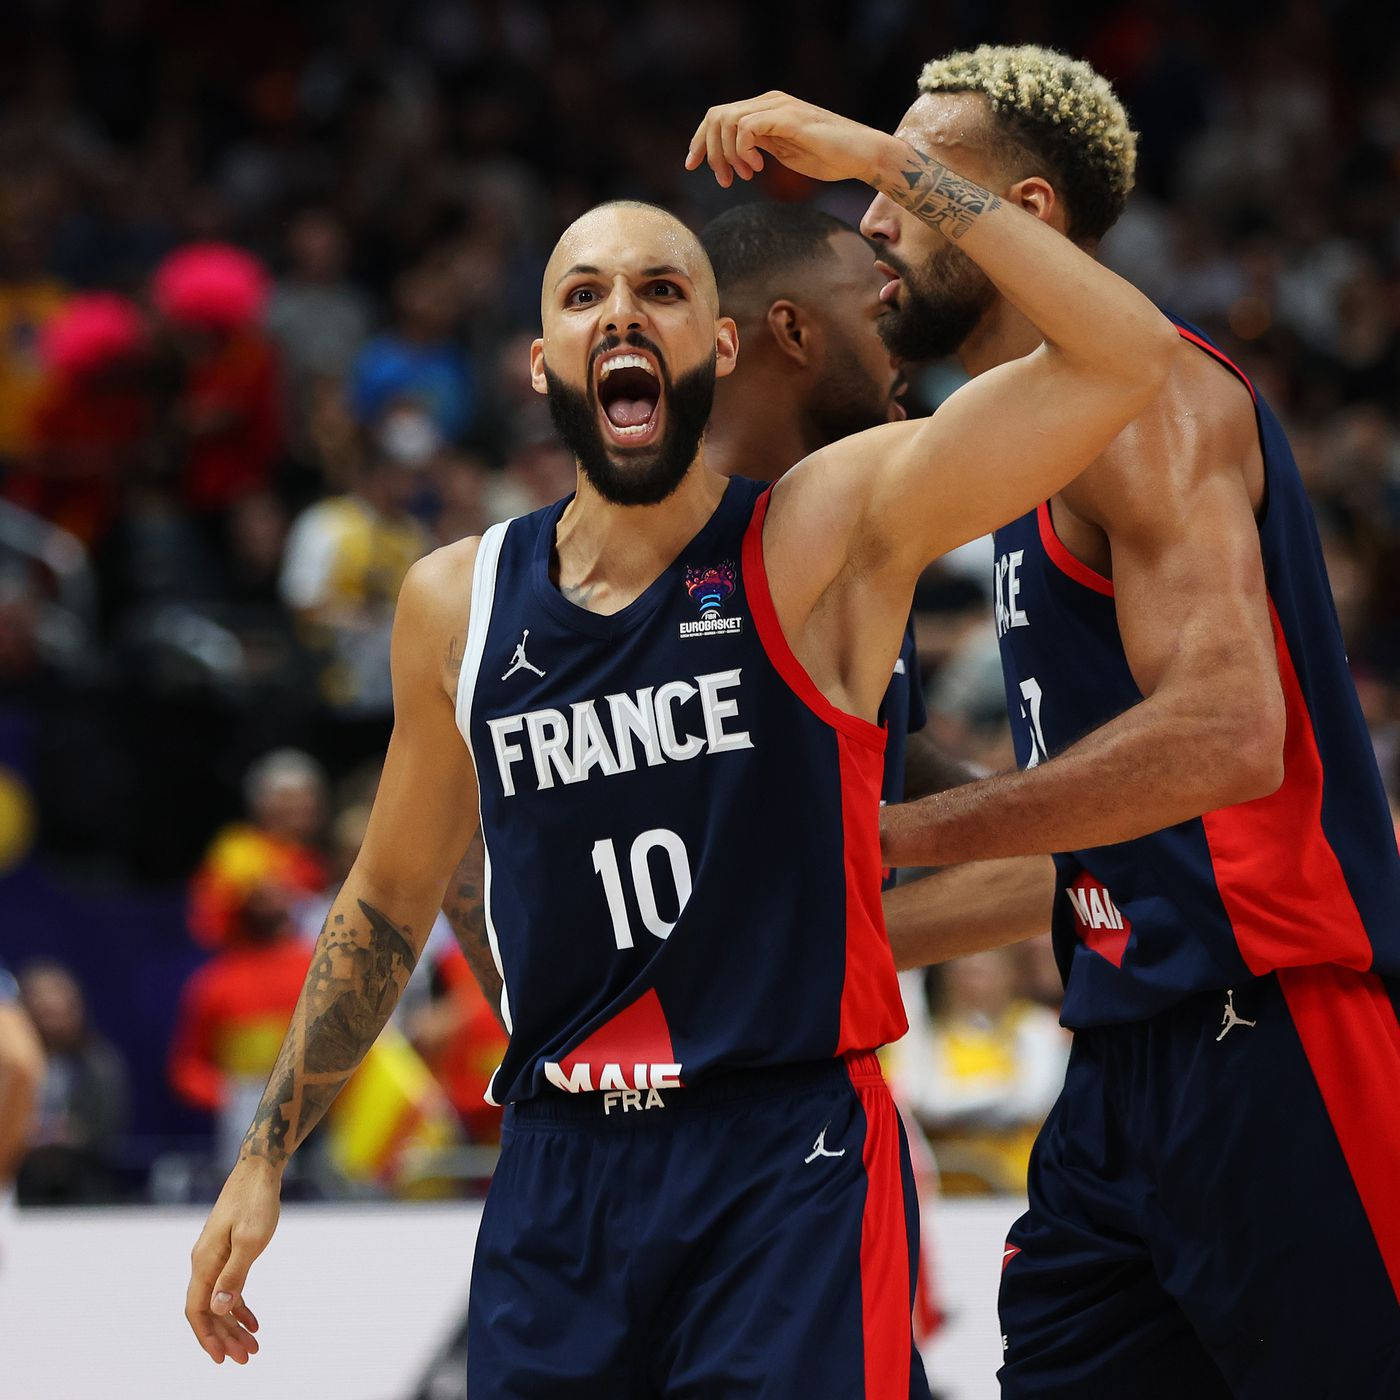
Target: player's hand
807 139
237 1231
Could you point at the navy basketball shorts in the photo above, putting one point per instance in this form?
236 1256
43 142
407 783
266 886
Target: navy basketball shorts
753 1236
1215 1204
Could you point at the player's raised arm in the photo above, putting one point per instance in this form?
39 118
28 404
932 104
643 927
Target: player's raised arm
1016 434
424 815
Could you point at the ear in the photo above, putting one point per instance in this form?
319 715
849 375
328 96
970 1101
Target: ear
794 332
1037 196
726 346
537 380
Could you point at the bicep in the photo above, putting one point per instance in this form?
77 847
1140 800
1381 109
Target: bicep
425 809
1189 591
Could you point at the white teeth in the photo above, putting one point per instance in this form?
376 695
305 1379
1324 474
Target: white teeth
625 362
636 430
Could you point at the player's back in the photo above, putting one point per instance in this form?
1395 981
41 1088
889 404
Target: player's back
682 852
1307 875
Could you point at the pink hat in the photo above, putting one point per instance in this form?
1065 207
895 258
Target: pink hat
213 285
90 333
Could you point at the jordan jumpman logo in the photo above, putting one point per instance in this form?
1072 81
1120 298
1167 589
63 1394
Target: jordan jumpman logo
1231 1018
820 1150
518 662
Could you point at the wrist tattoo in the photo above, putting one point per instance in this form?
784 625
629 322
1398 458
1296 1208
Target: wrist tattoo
361 965
933 193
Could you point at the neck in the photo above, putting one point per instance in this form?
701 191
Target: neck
607 554
749 435
1003 334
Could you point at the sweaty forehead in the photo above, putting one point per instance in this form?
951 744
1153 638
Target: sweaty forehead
629 240
949 119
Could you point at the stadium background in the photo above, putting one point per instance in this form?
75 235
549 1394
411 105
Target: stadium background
267 276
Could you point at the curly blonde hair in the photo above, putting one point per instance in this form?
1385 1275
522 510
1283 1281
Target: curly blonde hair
1058 112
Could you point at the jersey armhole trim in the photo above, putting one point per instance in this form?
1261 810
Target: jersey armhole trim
1063 560
488 558
775 644
1219 355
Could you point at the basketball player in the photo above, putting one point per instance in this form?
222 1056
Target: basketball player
703 1187
1213 1203
799 285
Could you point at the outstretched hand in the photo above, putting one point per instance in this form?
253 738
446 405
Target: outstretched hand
807 139
237 1231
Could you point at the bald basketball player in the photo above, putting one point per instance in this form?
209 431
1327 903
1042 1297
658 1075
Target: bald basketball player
658 699
803 293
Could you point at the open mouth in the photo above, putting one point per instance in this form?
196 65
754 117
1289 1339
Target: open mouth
629 395
890 291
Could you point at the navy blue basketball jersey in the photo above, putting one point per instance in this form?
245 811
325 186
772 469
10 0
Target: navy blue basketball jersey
904 712
682 850
1307 875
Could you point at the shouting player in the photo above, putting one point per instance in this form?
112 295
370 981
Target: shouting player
703 1187
1213 1202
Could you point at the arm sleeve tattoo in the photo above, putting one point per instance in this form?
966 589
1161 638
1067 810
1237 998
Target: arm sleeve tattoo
933 193
465 908
361 965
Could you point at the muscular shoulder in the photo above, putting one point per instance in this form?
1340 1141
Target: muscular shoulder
434 607
1201 426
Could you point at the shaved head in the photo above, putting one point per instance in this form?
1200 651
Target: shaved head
660 240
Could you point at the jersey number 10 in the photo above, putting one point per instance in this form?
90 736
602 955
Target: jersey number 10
605 863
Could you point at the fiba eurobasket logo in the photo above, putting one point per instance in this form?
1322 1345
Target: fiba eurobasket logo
710 588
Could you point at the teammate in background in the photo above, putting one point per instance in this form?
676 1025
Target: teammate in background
21 1073
680 817
812 369
1213 1200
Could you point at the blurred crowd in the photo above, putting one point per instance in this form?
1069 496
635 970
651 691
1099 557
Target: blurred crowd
268 277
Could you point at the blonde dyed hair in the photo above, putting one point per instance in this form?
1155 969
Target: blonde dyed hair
1058 112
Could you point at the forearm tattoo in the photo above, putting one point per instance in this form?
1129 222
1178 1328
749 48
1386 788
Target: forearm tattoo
360 967
933 193
465 907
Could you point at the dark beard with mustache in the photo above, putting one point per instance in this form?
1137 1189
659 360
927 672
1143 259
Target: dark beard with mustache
939 305
847 400
643 476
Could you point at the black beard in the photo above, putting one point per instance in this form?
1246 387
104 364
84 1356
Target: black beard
847 400
939 308
645 476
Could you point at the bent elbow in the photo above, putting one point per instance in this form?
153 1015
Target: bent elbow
1153 363
1255 763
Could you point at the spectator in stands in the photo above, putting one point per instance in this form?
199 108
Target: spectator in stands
21 1072
981 1073
318 318
92 418
234 1011
279 843
29 298
347 556
84 1099
226 419
418 361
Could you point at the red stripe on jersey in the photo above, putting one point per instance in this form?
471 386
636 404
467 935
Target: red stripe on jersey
872 1010
1063 560
638 1035
1279 879
886 1306
770 633
1350 1035
1218 355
